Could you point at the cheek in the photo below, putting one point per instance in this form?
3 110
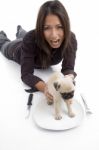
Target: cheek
46 36
62 35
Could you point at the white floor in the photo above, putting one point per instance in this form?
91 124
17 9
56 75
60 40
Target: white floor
18 133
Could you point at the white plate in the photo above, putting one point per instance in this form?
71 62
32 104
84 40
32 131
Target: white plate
44 118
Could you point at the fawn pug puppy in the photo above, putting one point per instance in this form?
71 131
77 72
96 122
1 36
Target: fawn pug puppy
61 88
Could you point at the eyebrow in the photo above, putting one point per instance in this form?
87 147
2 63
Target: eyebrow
51 25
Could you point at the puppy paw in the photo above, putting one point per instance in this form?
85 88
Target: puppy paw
50 102
71 114
58 117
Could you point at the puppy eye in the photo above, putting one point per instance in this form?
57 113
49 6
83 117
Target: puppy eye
72 95
63 94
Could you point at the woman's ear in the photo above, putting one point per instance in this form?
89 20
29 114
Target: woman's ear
56 86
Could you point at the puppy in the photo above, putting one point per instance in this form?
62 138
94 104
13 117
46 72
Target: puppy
61 88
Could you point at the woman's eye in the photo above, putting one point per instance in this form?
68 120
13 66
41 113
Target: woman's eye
46 28
49 28
60 27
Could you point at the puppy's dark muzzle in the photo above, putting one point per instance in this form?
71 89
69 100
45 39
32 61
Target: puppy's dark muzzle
67 96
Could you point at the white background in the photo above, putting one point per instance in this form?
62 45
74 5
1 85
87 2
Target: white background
17 133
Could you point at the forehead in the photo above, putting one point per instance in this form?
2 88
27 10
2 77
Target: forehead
67 88
67 93
52 19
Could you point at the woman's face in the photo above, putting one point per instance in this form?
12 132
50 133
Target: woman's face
53 31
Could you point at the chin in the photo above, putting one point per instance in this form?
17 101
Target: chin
55 46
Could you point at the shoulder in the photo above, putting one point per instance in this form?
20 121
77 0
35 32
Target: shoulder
73 36
29 39
73 41
29 36
28 43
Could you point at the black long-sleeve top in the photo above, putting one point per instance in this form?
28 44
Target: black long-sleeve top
28 56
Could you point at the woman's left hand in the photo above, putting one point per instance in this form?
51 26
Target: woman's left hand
70 75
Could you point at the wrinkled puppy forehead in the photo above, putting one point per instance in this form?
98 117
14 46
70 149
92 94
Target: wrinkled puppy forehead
66 86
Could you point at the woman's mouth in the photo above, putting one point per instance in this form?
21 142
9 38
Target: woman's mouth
55 43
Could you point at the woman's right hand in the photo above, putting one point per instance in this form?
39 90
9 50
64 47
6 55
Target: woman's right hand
47 94
42 86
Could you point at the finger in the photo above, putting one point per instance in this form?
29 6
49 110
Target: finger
50 96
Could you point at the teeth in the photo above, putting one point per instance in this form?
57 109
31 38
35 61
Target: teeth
55 41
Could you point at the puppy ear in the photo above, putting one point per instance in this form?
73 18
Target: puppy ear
74 82
56 85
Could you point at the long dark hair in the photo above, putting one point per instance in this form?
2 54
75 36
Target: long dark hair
56 8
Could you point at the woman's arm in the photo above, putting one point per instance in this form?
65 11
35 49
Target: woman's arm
41 86
27 61
68 62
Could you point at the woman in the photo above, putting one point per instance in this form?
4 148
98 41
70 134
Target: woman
51 42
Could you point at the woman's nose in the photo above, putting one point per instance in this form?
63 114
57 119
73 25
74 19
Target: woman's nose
54 33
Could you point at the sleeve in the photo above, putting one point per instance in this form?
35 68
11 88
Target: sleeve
68 62
27 63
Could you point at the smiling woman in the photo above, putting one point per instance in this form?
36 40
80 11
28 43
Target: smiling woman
49 43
